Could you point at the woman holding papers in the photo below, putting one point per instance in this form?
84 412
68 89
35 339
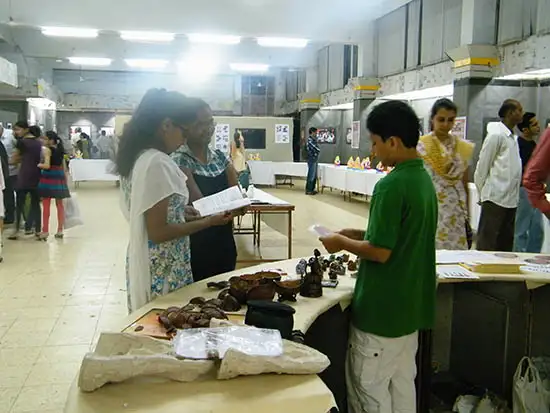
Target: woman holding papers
155 197
208 171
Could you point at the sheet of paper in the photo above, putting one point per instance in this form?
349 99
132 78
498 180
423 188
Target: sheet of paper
457 256
454 271
282 133
320 230
221 137
223 201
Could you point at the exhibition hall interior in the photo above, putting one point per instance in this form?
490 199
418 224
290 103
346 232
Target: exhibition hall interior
286 206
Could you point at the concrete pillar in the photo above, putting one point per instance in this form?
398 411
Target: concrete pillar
365 90
479 22
309 105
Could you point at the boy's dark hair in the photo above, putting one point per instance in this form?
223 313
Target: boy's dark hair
443 103
312 130
395 118
507 106
526 122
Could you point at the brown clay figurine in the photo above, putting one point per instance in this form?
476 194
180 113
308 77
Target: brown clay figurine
345 257
338 268
352 265
197 300
311 281
230 303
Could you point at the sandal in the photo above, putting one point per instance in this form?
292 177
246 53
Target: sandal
59 235
43 236
14 236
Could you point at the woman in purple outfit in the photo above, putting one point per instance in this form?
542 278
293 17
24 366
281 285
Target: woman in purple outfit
27 154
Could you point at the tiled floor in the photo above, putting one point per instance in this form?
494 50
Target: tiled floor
56 297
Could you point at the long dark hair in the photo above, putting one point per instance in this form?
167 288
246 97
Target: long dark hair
141 132
52 136
35 131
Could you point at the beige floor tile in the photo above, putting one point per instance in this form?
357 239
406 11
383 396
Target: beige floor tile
52 373
62 354
41 398
41 312
22 339
14 376
11 357
30 326
7 398
82 312
88 299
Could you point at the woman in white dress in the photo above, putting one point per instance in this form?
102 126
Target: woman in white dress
155 197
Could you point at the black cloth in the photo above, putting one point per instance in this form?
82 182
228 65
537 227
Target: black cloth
8 193
496 228
34 217
213 250
526 149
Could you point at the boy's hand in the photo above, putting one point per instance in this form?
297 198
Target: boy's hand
332 243
355 234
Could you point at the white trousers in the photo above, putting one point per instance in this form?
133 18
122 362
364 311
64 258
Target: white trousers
380 373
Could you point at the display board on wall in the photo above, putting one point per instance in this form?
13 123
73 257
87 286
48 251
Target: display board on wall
355 134
282 133
254 138
326 135
221 137
459 130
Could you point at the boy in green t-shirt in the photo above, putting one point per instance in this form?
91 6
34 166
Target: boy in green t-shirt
394 296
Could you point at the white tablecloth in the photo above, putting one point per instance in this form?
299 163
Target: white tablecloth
92 170
349 180
265 172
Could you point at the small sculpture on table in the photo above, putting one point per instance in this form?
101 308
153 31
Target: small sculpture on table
312 281
301 267
336 268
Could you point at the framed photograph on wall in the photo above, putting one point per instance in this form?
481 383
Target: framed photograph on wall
348 136
326 135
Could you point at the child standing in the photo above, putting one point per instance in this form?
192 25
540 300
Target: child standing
53 183
394 295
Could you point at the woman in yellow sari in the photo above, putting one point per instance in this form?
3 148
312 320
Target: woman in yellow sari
446 158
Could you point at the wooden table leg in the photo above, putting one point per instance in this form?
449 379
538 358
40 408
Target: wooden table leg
259 225
289 234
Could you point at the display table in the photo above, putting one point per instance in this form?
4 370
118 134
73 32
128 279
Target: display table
349 180
275 212
92 170
304 394
266 172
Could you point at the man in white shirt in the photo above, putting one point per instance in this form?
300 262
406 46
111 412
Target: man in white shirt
8 140
498 178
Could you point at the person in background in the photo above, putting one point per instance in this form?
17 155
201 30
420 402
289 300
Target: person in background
85 145
8 141
497 179
103 145
313 150
446 158
238 159
537 173
529 232
208 172
155 197
4 171
53 183
27 154
394 296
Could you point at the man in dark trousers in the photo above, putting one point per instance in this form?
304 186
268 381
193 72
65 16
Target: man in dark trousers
7 145
313 150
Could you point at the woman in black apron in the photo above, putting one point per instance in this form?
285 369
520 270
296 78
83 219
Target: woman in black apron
209 171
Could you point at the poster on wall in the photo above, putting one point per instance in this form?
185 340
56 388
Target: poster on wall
348 136
282 133
355 134
459 129
326 135
221 137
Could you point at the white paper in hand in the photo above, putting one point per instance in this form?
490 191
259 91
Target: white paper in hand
223 201
320 230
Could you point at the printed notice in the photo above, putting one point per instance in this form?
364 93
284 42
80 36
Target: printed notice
223 201
355 134
221 137
282 133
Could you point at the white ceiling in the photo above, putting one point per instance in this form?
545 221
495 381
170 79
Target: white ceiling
320 21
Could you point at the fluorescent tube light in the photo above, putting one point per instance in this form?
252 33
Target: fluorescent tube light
428 93
281 42
530 75
90 61
213 38
146 63
135 36
69 32
249 67
341 106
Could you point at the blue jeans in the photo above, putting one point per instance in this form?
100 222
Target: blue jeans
311 175
529 233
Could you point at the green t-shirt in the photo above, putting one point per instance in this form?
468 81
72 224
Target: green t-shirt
398 298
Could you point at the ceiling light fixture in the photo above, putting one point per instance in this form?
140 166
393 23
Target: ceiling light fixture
146 63
136 36
213 38
90 61
530 75
249 67
281 42
69 32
